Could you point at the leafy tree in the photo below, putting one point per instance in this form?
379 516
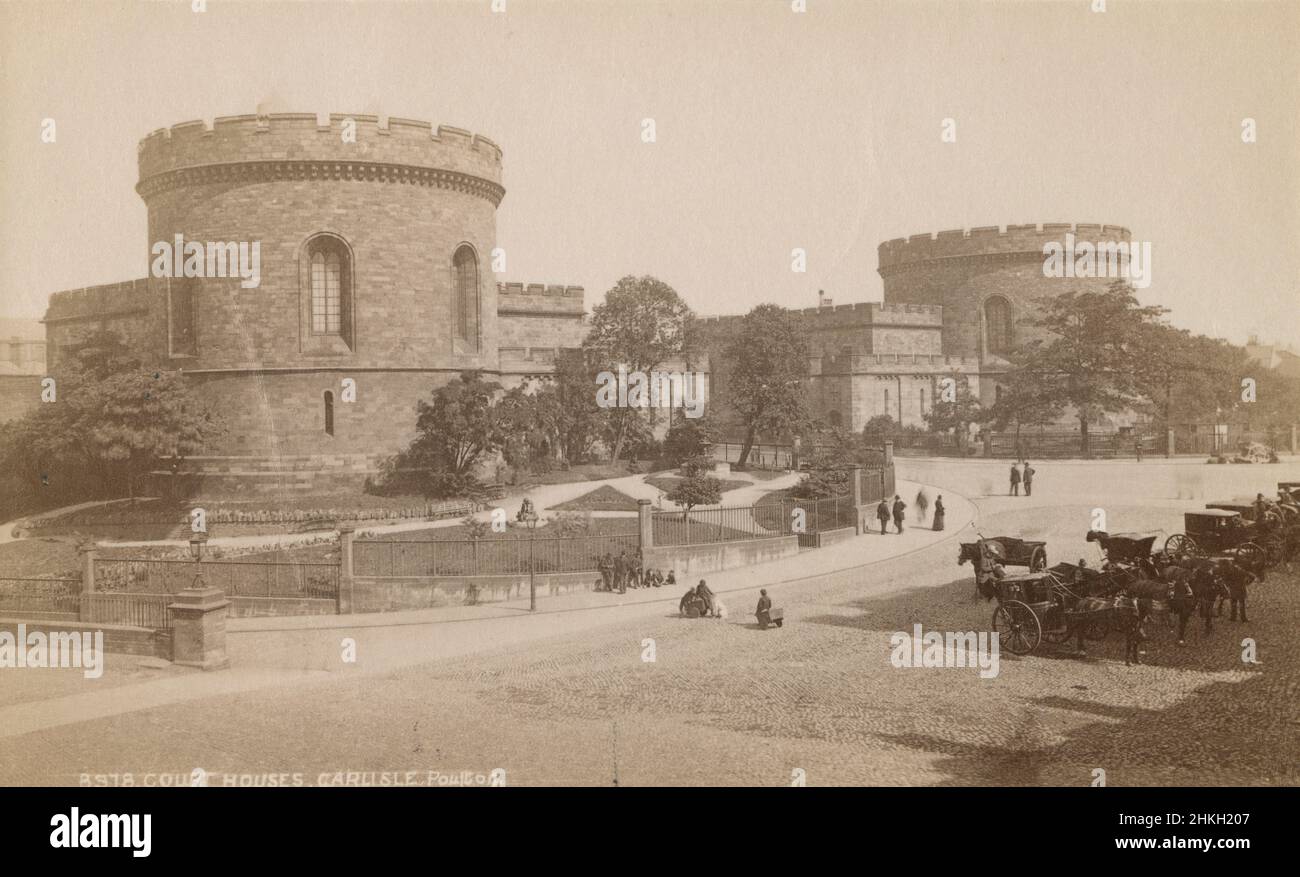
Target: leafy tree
113 422
690 438
830 471
1090 357
696 489
569 402
455 429
955 410
641 324
767 370
1025 401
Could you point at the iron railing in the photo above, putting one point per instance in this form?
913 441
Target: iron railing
46 596
237 578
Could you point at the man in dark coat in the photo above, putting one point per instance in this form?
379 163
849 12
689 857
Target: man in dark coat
764 608
899 510
1236 578
882 513
1015 479
1029 479
706 596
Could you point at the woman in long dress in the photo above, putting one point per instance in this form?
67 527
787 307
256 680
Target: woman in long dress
938 513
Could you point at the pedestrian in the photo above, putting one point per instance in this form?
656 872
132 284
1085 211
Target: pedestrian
764 609
606 567
621 567
1236 578
899 508
710 601
1135 632
938 514
922 504
1015 479
882 513
1029 479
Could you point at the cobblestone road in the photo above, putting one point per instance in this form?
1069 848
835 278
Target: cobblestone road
725 703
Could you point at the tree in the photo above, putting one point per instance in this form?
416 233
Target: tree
955 408
689 439
454 430
1025 401
112 422
696 489
569 402
1090 357
767 365
641 324
830 471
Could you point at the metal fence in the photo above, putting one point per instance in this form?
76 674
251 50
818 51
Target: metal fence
139 610
237 578
468 557
41 596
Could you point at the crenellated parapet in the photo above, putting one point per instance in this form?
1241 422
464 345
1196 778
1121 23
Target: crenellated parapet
540 299
994 243
303 146
97 303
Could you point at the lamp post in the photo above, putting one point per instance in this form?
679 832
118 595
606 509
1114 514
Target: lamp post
528 516
197 541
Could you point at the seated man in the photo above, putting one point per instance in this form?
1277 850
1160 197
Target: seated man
691 605
763 612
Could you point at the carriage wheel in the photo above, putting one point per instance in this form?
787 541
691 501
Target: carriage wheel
1038 560
1179 544
1017 628
1251 556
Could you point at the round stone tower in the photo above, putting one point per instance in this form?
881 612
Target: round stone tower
987 279
372 246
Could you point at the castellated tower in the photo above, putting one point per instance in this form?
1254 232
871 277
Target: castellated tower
375 266
986 280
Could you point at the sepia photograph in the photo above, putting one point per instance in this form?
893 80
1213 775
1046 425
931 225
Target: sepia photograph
404 398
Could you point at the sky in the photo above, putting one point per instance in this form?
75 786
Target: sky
774 130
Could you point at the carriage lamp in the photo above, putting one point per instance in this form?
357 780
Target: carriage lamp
528 516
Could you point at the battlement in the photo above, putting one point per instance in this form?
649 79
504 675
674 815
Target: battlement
305 137
873 312
990 240
540 298
97 302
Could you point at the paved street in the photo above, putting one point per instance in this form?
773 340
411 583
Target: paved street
725 703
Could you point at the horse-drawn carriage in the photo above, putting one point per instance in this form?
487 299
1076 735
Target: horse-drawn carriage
986 555
1055 605
1224 532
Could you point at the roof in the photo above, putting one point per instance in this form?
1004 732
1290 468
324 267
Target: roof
1134 537
1213 513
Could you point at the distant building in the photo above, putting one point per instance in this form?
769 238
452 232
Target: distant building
22 365
952 306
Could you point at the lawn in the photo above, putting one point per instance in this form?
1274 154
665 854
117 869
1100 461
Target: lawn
668 482
602 499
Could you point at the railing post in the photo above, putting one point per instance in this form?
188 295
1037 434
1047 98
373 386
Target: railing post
343 596
645 526
857 491
86 602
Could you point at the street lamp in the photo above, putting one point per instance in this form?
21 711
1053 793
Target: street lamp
528 516
197 541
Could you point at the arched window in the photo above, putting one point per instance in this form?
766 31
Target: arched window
329 412
997 325
328 277
922 409
465 297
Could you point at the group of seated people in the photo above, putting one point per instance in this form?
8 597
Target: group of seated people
700 601
623 572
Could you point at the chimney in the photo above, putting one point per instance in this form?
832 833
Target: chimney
822 300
